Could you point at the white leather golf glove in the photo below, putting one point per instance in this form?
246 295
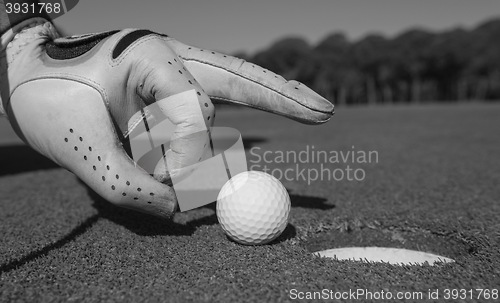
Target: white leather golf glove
71 99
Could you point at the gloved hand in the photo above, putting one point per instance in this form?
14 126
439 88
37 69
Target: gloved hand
71 99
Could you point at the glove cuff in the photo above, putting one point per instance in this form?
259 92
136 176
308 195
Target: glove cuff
13 41
34 27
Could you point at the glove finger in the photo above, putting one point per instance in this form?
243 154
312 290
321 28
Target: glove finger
68 122
170 90
228 79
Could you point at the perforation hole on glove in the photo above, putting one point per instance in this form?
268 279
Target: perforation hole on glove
99 166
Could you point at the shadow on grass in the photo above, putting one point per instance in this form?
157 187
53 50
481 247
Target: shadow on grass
309 202
144 224
76 232
249 142
15 159
19 158
298 201
148 225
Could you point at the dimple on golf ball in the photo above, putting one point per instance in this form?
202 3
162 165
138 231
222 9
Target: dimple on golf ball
253 208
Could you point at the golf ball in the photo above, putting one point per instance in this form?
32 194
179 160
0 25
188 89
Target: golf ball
253 208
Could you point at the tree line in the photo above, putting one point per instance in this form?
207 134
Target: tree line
415 66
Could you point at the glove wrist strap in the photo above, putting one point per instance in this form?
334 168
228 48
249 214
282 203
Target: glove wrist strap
13 42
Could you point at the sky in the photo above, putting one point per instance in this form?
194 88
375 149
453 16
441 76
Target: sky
232 26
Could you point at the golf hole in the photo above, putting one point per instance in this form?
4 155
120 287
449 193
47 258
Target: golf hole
396 256
415 247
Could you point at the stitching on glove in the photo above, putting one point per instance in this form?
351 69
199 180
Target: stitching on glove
232 101
36 27
71 77
13 42
254 80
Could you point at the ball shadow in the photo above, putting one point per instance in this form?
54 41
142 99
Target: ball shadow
309 202
289 233
249 142
148 225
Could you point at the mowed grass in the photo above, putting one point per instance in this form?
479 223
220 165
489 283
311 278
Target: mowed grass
435 188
